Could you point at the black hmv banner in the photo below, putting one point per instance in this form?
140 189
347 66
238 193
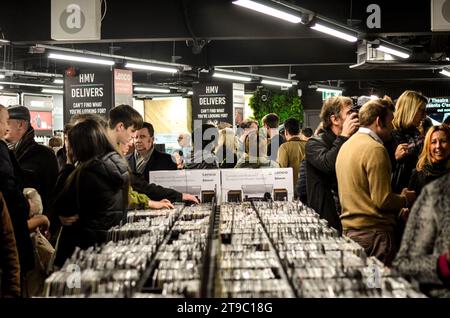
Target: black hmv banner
88 93
212 103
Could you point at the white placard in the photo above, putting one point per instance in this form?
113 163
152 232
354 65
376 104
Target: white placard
75 19
196 182
241 184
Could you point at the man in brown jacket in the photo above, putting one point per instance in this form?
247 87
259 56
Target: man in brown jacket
363 169
9 258
292 152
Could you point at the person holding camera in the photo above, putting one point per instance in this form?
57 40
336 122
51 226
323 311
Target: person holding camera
339 122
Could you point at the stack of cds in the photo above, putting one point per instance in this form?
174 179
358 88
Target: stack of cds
322 264
117 266
179 261
248 266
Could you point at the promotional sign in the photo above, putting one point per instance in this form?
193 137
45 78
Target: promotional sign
123 87
438 109
75 19
245 184
203 184
88 93
212 103
41 120
38 102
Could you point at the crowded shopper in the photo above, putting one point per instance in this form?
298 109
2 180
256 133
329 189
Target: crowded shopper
434 159
369 206
226 149
204 141
292 152
255 155
338 124
424 253
146 158
274 138
11 186
406 144
92 196
122 123
37 161
9 258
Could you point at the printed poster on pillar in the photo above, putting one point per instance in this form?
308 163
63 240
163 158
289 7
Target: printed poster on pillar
212 103
90 92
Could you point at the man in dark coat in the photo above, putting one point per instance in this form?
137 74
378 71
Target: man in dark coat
12 188
37 161
339 124
146 158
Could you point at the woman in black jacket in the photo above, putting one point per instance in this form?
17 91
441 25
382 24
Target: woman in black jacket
407 142
92 194
434 159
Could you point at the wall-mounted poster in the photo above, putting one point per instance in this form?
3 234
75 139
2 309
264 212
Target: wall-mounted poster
438 109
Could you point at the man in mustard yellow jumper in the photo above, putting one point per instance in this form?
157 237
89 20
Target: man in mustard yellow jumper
369 206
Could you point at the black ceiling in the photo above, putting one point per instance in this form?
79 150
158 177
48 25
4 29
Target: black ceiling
234 38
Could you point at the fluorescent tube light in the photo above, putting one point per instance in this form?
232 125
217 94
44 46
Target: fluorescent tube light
190 93
342 35
276 83
82 59
28 84
259 7
445 72
232 76
52 91
336 90
1 87
58 81
391 51
2 76
148 67
151 90
4 41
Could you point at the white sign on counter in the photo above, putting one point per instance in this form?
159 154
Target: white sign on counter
241 184
201 183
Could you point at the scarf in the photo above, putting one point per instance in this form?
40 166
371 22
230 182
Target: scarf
435 169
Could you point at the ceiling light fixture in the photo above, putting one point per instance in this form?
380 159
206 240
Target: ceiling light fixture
269 10
58 81
190 93
148 67
52 91
231 76
151 90
81 59
391 48
1 87
29 84
329 89
2 76
445 71
276 83
345 34
4 41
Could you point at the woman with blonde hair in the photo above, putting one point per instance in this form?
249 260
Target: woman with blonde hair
226 150
434 159
407 142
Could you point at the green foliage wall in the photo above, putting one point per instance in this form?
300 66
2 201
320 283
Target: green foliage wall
283 103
